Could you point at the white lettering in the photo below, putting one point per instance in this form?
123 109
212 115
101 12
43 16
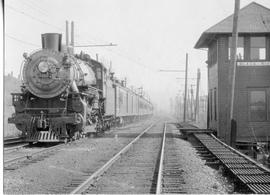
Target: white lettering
265 63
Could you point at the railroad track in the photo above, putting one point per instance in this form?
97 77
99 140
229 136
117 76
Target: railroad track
13 140
165 171
29 158
9 149
249 175
170 179
14 143
84 185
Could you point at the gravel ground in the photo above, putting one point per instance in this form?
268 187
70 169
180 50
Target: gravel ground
78 159
198 177
23 151
135 171
56 172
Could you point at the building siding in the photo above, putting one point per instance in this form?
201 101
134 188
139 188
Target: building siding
247 78
222 85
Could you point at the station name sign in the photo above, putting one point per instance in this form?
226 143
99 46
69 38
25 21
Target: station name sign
263 63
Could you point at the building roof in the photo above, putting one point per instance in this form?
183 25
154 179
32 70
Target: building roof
253 18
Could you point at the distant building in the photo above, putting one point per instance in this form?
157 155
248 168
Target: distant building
252 89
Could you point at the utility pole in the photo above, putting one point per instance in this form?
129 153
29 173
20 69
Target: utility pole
191 103
171 106
197 108
185 96
162 70
231 122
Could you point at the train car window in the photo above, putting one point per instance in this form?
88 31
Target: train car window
120 99
132 104
257 48
257 105
127 102
240 48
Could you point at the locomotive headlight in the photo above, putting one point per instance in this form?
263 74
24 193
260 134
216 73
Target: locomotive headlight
43 66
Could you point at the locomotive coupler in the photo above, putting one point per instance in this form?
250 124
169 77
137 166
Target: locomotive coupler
41 122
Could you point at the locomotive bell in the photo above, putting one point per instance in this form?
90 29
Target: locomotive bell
51 41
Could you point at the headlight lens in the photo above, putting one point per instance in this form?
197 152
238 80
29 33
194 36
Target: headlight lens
43 66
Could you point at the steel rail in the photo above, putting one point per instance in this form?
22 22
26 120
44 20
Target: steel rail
81 188
13 140
161 160
6 163
15 147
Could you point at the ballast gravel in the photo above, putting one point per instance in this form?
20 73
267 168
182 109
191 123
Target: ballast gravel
78 159
199 178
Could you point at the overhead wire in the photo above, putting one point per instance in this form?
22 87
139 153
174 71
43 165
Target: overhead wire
121 54
130 59
47 23
44 11
41 10
22 41
28 4
32 17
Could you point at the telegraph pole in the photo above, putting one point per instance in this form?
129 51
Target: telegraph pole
191 103
173 71
231 122
185 96
197 95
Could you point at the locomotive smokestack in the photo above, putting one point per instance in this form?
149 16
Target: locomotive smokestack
51 41
67 34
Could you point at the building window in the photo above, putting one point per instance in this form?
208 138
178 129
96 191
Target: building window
240 48
121 99
257 105
257 48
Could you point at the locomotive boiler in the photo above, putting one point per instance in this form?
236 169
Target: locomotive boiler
59 98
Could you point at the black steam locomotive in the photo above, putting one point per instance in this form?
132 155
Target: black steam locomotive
65 95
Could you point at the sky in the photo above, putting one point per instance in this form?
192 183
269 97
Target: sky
150 35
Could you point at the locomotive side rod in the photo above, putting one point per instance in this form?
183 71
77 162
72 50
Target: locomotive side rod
81 188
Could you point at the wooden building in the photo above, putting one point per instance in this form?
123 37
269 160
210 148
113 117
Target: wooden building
252 89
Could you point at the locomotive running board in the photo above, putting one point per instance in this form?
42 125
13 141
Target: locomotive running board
43 136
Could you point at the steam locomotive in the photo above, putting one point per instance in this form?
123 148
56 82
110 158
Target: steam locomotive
64 95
